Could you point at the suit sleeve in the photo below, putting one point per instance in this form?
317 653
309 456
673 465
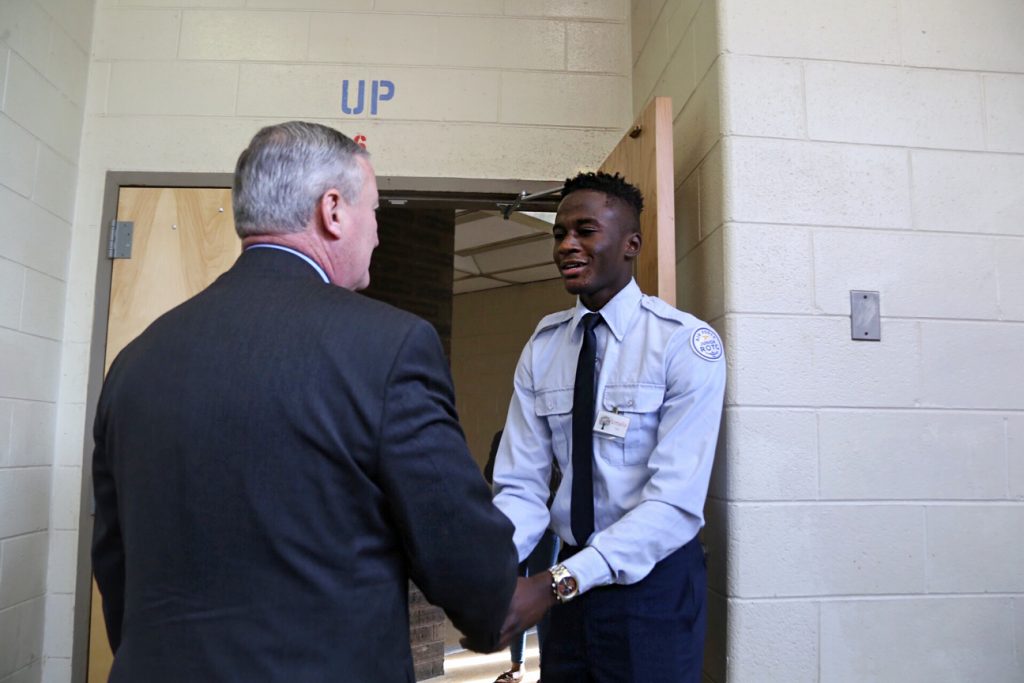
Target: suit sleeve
458 544
107 546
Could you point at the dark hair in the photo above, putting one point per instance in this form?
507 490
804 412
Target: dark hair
611 185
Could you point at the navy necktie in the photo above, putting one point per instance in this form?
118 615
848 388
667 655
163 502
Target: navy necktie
581 516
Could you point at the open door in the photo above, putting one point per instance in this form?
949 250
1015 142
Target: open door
644 157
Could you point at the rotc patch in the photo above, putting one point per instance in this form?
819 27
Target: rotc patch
706 343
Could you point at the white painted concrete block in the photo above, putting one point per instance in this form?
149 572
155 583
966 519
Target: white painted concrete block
62 567
698 127
712 175
440 94
917 274
6 416
206 3
373 39
54 186
74 369
296 5
142 34
982 36
565 100
67 66
25 26
75 17
687 211
172 88
968 192
24 501
608 10
37 106
773 641
975 549
769 268
769 455
31 433
59 625
33 236
43 310
303 90
1004 110
12 291
920 640
912 455
72 434
811 361
643 14
700 279
597 47
29 365
680 18
56 670
99 86
853 32
679 79
501 43
1015 456
495 7
789 181
18 161
818 549
21 636
265 36
649 64
888 105
67 494
5 56
966 365
23 569
707 30
763 97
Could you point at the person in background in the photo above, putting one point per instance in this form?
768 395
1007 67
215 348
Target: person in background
278 456
624 393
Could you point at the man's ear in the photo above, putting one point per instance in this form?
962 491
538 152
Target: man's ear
633 242
331 212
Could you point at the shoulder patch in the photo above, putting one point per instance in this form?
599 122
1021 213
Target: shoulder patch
553 320
706 343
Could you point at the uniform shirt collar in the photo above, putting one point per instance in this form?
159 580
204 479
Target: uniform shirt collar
616 313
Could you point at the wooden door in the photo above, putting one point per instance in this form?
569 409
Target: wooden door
183 239
644 157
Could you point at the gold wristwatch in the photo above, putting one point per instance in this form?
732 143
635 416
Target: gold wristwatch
563 583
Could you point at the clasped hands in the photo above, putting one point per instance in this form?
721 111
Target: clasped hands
531 600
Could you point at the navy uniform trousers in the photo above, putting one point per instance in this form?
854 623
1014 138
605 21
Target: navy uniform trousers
647 632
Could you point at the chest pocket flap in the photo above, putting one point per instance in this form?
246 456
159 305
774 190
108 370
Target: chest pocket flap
633 398
553 402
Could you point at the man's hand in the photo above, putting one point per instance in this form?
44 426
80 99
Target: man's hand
532 599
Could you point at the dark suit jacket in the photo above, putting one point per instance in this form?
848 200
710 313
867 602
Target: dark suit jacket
274 459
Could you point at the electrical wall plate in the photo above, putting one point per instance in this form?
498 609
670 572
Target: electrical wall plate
865 317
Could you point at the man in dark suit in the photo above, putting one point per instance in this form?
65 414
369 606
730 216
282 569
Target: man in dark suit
278 456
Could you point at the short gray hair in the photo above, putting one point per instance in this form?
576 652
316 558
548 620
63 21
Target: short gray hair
284 172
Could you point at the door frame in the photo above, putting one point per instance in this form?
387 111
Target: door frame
461 193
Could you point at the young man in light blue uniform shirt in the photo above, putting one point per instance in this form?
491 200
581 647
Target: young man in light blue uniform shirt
627 601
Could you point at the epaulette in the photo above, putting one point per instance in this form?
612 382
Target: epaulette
554 319
664 311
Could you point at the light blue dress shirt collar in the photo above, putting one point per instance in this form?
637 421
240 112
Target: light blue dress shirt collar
617 313
316 266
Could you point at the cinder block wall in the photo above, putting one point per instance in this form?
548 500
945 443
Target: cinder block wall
483 89
676 52
870 497
44 48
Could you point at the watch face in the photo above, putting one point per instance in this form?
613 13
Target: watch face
567 587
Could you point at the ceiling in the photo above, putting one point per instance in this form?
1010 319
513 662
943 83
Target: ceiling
491 251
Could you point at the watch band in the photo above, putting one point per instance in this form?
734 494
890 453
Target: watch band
563 583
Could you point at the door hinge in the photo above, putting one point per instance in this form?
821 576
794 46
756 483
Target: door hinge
120 245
